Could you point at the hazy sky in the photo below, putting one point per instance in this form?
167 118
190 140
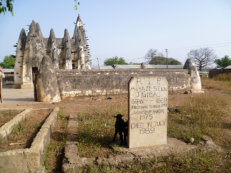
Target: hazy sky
127 28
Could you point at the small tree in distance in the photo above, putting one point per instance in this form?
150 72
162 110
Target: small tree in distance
157 58
8 62
203 57
115 60
223 62
152 53
160 60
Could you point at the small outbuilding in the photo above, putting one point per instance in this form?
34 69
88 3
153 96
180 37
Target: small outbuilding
228 67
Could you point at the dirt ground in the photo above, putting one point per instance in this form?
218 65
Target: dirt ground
81 104
24 99
10 114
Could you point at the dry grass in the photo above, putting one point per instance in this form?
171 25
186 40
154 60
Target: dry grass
223 77
192 162
198 116
221 82
205 114
194 116
96 130
55 150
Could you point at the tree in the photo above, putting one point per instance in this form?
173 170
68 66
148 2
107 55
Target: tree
115 60
77 3
164 61
8 62
157 58
6 5
152 53
202 57
223 62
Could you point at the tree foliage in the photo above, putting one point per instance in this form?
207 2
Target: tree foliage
6 5
134 63
115 60
152 53
223 62
77 3
203 57
153 56
8 62
160 60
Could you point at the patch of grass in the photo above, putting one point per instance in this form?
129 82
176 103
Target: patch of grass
55 150
220 82
18 129
61 114
223 77
200 115
96 130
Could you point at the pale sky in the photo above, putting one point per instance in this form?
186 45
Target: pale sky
127 28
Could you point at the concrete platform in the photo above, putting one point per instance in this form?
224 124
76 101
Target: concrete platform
30 159
11 95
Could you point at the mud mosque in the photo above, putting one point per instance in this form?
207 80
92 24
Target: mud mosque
60 67
66 53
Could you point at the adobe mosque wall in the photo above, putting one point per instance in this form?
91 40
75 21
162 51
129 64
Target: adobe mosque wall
72 83
111 82
60 67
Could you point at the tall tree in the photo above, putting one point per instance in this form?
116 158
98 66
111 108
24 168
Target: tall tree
115 60
203 57
8 62
223 62
6 5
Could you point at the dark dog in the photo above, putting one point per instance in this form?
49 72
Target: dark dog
122 128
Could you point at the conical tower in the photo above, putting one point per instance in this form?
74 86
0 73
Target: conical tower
19 59
52 49
35 49
67 50
81 42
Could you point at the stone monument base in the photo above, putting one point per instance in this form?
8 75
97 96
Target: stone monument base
173 145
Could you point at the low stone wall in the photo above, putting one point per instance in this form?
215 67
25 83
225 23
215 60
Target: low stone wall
7 128
52 83
30 159
110 82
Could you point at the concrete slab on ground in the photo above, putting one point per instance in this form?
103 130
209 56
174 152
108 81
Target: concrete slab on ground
11 95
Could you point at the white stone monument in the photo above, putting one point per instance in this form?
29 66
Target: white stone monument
148 102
